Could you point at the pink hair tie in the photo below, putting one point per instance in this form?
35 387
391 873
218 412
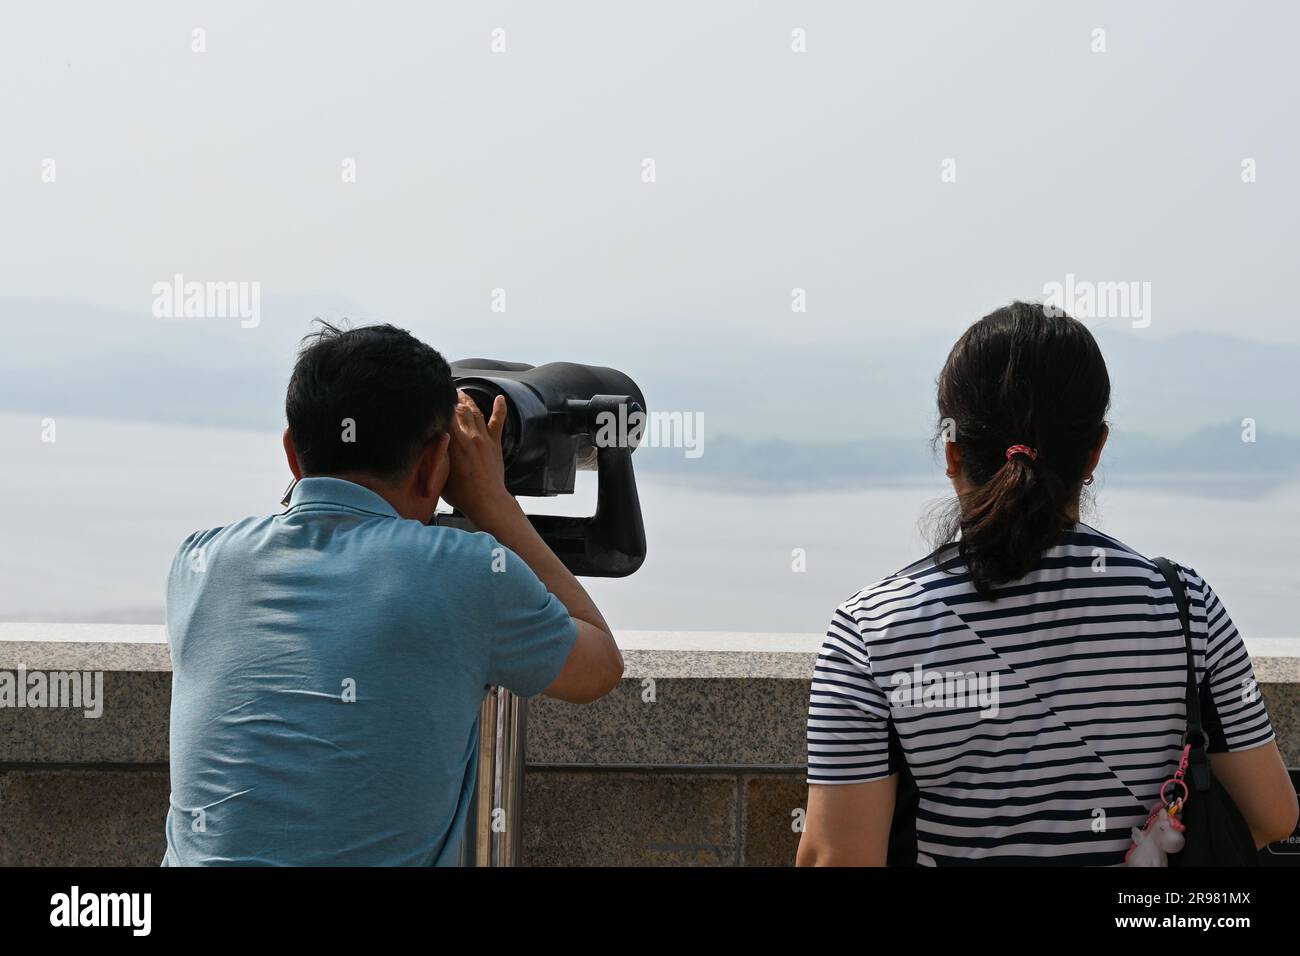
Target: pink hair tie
1022 450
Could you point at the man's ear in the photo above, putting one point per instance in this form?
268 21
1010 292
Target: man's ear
291 456
433 467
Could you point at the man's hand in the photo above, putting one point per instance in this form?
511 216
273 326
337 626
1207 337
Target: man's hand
476 485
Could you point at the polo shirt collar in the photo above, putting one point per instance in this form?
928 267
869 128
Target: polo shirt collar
339 492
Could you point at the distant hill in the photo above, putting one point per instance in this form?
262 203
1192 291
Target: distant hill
1215 460
774 416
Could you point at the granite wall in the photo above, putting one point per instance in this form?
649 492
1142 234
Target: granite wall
696 759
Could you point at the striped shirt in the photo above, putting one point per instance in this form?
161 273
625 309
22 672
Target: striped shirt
1037 728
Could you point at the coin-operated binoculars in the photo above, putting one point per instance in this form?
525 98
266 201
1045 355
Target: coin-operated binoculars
560 418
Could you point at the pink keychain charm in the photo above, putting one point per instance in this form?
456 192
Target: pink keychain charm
1162 834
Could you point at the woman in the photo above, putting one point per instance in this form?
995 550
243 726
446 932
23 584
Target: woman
1026 680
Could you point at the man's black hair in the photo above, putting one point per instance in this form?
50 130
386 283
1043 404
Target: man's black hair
366 400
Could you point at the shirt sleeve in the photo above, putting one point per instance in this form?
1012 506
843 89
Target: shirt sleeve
848 713
1232 708
529 632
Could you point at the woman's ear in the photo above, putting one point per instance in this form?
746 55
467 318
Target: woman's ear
952 457
291 456
1095 458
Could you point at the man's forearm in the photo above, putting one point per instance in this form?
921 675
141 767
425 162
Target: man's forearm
507 522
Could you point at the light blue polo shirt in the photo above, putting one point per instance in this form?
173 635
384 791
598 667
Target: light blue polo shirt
328 664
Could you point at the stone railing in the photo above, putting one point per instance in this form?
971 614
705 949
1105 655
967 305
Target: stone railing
696 758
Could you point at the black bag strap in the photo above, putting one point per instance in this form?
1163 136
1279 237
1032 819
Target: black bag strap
1195 733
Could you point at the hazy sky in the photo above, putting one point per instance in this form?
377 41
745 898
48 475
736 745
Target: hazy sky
522 170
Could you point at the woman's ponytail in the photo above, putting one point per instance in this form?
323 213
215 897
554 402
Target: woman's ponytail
1010 520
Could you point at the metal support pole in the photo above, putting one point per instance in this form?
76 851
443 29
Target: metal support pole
492 835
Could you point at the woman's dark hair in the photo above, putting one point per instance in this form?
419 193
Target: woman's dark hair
1019 376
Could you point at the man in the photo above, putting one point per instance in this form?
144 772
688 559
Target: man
329 662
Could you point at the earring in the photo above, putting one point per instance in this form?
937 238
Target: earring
1088 480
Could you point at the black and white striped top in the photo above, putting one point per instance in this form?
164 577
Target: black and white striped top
1040 727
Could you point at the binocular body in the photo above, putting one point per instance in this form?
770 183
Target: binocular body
562 417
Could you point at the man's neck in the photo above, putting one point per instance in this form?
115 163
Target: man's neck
383 488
